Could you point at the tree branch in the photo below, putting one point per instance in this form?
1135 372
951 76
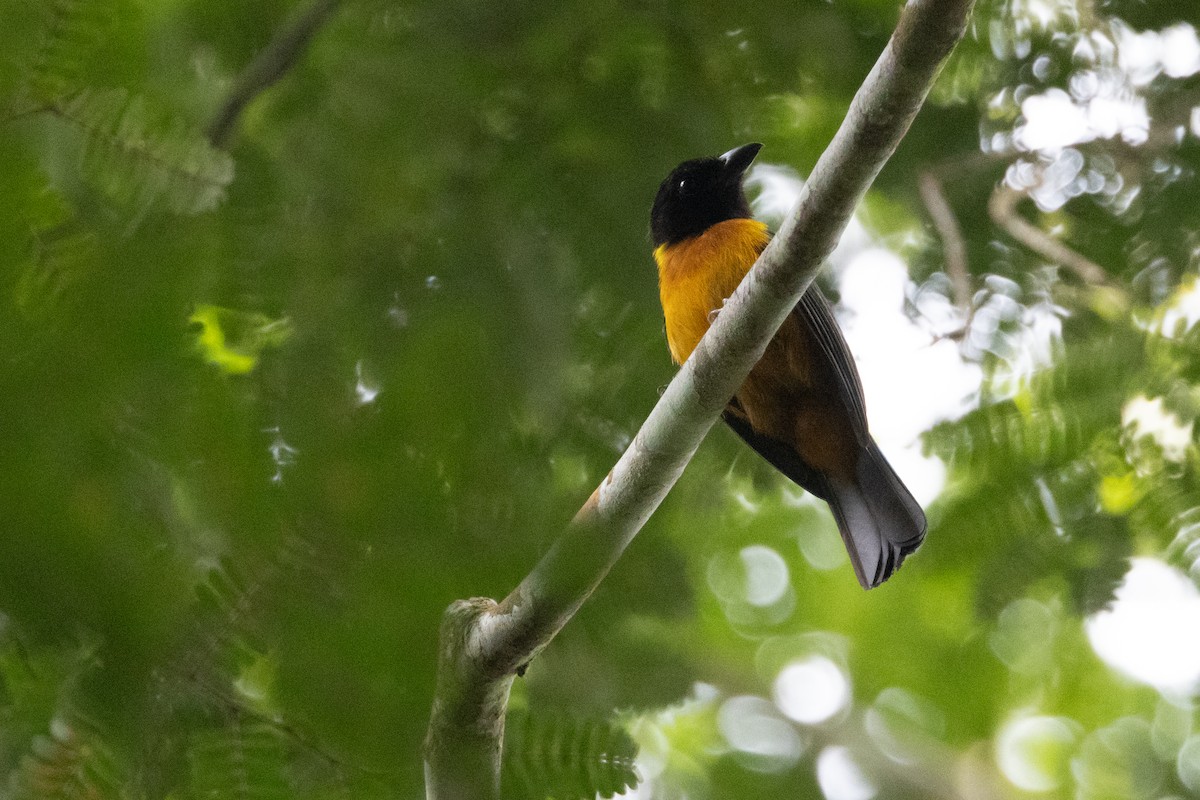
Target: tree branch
280 55
484 644
954 249
1002 208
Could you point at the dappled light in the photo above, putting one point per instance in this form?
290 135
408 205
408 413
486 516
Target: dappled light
902 724
753 585
319 316
759 738
1118 760
811 690
1034 752
1140 634
840 777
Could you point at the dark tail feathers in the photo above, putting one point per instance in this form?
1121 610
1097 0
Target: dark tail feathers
879 520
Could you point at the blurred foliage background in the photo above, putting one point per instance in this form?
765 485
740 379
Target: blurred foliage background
267 408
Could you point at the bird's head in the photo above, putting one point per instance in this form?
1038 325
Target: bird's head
700 193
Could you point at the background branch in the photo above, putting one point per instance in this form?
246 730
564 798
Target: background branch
953 246
271 64
483 644
954 249
1002 208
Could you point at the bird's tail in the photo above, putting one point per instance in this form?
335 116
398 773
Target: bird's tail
879 520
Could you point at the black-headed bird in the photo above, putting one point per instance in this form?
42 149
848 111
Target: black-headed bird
801 408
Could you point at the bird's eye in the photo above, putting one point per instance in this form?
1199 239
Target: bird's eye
683 185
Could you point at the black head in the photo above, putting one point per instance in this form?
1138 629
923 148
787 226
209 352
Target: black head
701 193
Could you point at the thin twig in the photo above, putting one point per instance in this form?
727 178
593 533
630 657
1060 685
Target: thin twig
271 64
954 249
484 644
1002 208
29 111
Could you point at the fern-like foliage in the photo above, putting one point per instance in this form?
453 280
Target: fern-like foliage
49 748
239 761
249 748
565 759
69 762
127 152
1050 487
140 163
57 262
70 33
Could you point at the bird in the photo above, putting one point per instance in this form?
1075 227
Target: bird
801 407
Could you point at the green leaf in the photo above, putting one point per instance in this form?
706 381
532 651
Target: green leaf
240 761
566 759
139 162
233 340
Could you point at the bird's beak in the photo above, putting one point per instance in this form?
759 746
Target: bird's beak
738 159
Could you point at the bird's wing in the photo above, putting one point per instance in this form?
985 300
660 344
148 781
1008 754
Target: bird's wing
814 315
813 312
779 455
878 518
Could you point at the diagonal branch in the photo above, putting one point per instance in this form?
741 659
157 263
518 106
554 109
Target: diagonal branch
280 55
483 643
1002 208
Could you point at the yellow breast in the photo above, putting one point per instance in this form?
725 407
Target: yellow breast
696 275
